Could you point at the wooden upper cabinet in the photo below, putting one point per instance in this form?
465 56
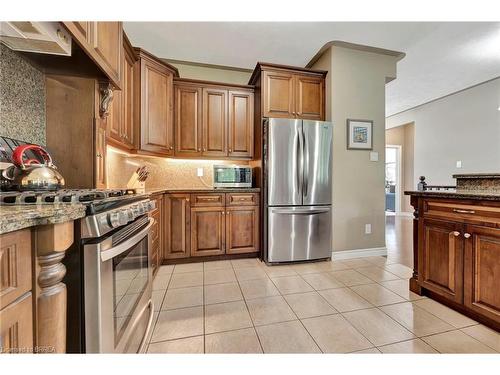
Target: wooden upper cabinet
290 92
100 156
309 97
156 106
107 42
129 93
441 263
278 94
188 121
214 122
102 42
482 271
241 130
120 129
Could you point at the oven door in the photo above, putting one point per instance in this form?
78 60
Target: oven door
118 288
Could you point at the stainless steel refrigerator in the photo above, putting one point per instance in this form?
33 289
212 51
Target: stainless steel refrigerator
297 161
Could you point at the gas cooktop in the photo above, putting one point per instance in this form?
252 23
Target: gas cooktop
96 200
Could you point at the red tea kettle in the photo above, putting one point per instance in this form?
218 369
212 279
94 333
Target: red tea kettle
30 174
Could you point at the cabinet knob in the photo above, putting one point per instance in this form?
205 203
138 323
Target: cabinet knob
171 147
467 235
230 150
199 149
456 234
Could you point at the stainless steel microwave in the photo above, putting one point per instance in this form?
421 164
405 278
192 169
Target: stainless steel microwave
232 176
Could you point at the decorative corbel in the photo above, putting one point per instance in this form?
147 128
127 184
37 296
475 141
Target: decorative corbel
106 91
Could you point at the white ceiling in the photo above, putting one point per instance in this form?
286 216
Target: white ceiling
441 57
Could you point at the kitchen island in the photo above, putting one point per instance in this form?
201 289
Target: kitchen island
456 246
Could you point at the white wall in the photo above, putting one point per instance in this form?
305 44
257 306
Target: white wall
355 87
464 126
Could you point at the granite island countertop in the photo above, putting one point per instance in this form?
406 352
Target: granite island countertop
17 217
457 194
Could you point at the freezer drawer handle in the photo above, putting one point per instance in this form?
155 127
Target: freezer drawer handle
300 212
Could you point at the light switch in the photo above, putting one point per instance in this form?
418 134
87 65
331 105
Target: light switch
368 228
199 172
459 163
373 156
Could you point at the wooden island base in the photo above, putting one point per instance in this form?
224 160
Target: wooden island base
457 252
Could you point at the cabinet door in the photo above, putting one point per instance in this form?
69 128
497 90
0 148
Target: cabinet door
309 97
16 326
278 94
214 128
242 229
207 231
114 120
100 155
187 121
83 29
177 226
128 92
482 271
241 114
15 265
441 266
156 108
107 42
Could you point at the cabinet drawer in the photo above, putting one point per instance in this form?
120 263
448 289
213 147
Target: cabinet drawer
207 200
15 265
466 213
242 199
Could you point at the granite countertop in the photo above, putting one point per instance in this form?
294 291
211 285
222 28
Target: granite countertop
13 218
458 194
207 190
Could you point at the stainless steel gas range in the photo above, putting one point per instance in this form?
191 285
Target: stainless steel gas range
109 273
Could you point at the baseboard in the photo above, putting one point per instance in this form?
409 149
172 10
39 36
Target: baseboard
359 253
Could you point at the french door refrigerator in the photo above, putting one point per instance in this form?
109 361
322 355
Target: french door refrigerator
297 161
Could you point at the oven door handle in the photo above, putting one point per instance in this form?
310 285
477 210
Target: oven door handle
124 246
148 328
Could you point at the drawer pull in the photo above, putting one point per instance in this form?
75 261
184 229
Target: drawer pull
456 234
467 235
459 211
209 199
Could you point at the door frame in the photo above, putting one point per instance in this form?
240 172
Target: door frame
399 175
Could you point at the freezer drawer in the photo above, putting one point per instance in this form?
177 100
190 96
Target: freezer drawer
299 233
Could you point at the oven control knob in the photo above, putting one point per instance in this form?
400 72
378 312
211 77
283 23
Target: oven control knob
136 211
113 219
130 214
123 217
151 205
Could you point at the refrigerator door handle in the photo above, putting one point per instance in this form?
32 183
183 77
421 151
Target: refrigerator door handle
305 164
284 211
298 162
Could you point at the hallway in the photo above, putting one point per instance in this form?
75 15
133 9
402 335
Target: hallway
399 239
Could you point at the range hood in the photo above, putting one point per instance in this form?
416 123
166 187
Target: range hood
40 37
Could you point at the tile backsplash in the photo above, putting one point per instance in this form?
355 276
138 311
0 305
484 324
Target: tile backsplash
22 98
164 173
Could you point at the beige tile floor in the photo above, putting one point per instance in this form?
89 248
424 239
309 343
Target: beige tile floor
352 306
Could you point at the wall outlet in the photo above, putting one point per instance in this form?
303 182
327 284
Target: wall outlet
373 156
368 228
199 172
459 163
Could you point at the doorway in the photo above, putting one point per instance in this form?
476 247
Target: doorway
393 178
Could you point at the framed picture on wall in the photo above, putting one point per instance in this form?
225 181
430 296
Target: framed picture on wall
359 134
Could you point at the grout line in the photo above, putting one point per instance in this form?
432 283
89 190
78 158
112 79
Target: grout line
248 311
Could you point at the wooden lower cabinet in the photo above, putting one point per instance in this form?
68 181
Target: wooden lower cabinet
157 233
16 326
482 271
207 231
457 255
441 265
210 224
177 219
242 229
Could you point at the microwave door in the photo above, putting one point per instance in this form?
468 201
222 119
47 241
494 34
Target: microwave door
284 162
